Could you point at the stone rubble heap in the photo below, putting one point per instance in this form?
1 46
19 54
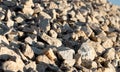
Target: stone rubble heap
59 36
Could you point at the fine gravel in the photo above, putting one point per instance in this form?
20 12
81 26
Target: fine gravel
59 36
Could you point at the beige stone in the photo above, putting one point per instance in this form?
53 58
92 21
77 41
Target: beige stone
29 40
12 66
80 17
6 54
78 59
53 34
31 65
19 19
110 54
3 39
107 44
28 10
50 54
44 58
69 62
45 15
53 5
50 40
28 52
105 28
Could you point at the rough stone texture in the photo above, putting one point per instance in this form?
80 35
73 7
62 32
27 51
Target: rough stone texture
69 62
53 34
108 43
28 52
78 59
45 25
6 54
65 53
59 36
110 54
3 40
30 65
44 58
49 53
12 66
50 40
87 52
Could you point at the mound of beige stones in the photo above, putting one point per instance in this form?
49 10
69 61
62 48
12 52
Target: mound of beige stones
59 36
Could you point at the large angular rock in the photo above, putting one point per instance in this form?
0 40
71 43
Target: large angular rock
65 53
87 52
50 40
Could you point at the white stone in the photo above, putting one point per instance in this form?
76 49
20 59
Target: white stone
65 52
87 52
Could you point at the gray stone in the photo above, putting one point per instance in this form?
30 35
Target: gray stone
87 52
37 50
44 25
88 31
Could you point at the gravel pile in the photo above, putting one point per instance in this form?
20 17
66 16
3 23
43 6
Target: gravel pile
59 36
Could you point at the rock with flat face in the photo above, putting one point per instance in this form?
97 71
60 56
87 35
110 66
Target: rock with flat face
65 53
110 54
50 40
88 31
28 52
87 52
69 62
107 44
50 54
44 59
